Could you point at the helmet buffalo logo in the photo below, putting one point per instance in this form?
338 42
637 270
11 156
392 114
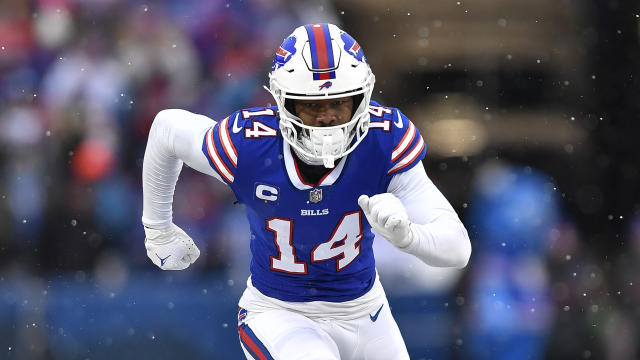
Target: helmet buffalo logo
352 47
326 85
284 53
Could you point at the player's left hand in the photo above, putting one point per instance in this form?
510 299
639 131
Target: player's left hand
388 218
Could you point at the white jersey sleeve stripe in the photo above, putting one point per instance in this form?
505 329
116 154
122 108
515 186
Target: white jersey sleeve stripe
227 144
409 158
215 158
404 143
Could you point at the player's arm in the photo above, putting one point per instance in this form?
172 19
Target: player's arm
438 237
415 217
176 137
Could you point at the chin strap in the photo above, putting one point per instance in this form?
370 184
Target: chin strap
327 160
307 159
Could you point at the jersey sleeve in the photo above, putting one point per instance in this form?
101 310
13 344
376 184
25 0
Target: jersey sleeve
439 237
173 140
409 148
219 146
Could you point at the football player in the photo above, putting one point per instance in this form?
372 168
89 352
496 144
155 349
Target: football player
318 173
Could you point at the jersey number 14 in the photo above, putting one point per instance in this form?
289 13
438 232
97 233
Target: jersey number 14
344 244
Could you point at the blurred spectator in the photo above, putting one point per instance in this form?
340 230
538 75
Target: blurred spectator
81 106
508 312
580 293
21 135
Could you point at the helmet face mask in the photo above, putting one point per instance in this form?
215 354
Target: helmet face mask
319 62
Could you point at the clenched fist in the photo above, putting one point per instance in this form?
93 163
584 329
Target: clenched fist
388 218
170 248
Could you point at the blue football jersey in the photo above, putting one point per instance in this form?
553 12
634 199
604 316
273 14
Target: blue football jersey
309 241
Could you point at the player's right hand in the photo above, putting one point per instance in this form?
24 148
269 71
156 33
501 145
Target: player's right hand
170 248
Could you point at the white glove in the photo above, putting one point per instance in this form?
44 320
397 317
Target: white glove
170 248
388 217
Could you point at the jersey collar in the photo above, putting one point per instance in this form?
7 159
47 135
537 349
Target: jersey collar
296 178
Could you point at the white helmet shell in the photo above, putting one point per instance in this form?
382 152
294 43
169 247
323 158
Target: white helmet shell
320 61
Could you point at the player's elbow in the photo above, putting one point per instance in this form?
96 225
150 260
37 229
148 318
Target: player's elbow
164 118
464 250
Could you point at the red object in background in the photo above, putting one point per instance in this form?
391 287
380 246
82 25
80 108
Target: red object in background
16 37
92 160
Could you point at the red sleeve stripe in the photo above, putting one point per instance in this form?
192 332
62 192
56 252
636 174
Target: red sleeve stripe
409 158
404 143
227 144
215 158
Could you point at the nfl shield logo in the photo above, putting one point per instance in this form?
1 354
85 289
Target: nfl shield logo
315 195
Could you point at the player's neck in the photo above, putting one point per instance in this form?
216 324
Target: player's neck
310 173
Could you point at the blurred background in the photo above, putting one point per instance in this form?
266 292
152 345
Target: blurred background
529 109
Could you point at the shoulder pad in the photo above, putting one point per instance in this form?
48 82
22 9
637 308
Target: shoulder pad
402 138
222 141
219 148
409 147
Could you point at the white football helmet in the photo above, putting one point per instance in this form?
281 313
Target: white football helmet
320 61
